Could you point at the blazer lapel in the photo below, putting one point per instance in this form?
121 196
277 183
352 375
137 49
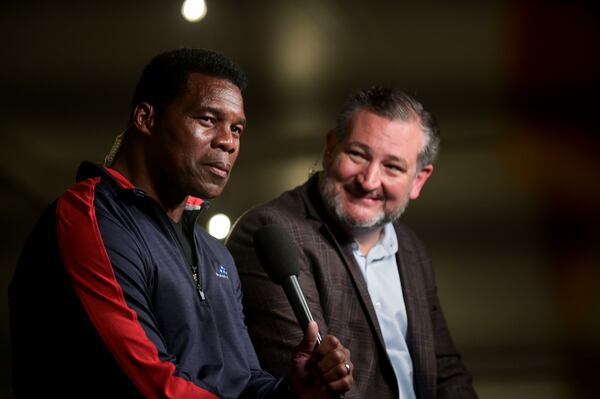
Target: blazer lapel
418 336
347 257
341 242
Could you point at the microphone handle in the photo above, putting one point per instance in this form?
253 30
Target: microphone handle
298 302
296 298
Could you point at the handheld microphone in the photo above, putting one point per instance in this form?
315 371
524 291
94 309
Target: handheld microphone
278 255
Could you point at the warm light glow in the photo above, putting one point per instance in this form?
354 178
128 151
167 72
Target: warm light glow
219 225
193 10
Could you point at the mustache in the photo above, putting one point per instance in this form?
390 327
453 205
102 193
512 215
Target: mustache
357 190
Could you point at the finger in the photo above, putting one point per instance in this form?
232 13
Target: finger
341 385
328 344
334 359
310 338
337 371
339 379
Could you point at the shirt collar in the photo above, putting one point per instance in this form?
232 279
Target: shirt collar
191 203
389 240
386 246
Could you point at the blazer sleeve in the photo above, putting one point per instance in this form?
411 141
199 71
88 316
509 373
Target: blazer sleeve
452 377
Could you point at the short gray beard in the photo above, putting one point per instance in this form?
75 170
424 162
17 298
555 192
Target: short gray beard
333 203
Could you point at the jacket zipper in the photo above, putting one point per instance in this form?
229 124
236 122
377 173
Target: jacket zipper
196 276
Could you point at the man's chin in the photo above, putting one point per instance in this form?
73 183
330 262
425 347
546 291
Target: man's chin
211 188
208 193
363 218
363 223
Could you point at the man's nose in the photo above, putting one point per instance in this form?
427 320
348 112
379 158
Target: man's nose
369 177
224 139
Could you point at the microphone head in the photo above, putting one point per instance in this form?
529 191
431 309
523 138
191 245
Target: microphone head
276 252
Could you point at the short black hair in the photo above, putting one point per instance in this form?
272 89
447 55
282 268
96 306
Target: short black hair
166 75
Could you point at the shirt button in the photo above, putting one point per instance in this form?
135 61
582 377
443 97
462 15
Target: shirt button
378 304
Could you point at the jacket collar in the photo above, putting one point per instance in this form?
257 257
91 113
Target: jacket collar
89 169
342 243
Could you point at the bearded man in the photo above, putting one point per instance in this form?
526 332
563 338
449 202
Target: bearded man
367 277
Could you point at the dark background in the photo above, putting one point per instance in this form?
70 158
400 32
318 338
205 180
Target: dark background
510 215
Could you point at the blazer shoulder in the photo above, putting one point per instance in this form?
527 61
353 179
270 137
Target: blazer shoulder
408 235
412 246
286 210
289 206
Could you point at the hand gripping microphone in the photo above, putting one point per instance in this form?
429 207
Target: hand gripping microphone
279 257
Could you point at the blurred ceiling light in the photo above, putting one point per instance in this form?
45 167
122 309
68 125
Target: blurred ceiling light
303 45
301 51
219 225
193 10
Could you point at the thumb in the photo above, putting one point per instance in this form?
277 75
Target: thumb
301 359
307 345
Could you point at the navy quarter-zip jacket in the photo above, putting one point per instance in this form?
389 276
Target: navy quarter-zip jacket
103 304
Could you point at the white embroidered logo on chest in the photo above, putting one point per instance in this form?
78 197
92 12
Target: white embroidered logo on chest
222 272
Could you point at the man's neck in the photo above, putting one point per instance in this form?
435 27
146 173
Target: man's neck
138 176
367 240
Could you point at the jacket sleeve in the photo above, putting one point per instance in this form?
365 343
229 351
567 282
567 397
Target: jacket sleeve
452 377
107 271
273 327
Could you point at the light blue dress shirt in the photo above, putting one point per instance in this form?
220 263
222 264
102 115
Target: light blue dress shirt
380 270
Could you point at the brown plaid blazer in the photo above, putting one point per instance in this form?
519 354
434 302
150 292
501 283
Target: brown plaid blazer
339 301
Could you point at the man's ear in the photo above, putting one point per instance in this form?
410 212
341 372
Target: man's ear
419 181
143 117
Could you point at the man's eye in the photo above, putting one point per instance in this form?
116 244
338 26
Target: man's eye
394 168
355 154
237 130
206 120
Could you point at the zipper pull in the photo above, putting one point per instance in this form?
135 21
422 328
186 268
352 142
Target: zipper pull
201 293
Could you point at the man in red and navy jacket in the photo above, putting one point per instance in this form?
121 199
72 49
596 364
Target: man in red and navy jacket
118 292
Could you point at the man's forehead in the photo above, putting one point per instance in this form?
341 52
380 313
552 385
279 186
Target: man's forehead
210 90
389 116
199 78
365 119
394 138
